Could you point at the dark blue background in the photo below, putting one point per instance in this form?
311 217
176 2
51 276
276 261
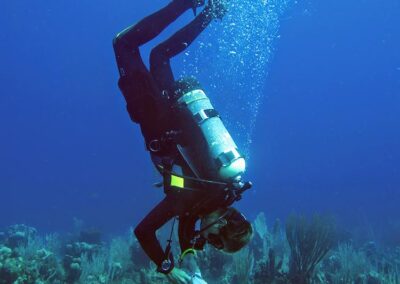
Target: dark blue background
327 137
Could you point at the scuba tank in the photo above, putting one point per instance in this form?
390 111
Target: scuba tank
207 147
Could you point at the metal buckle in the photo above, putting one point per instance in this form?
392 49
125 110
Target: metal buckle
155 146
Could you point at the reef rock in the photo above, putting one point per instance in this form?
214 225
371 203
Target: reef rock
2 237
78 249
19 235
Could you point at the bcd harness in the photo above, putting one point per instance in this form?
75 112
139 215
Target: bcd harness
202 140
228 193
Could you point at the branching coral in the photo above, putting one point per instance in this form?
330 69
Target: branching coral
212 262
94 267
309 243
269 270
243 265
392 277
350 264
122 261
39 267
260 226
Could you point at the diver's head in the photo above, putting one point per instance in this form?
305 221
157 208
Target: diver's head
226 229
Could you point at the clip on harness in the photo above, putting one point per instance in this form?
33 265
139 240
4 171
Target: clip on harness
168 263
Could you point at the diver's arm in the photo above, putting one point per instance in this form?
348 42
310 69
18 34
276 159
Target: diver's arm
146 230
150 244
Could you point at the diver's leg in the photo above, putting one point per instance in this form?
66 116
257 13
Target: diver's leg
160 56
151 26
126 43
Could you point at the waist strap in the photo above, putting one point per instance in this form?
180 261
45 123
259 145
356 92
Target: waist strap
174 181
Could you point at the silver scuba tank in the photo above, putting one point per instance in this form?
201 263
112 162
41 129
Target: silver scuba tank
210 150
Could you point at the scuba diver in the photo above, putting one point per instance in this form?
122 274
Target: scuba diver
188 143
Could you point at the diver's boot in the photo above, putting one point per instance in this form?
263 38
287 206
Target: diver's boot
217 8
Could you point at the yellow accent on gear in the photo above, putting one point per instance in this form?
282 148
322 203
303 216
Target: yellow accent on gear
189 250
177 181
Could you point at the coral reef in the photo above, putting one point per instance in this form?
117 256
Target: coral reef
212 262
309 243
25 259
19 235
243 265
305 250
269 270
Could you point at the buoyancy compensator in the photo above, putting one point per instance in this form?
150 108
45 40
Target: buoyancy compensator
207 147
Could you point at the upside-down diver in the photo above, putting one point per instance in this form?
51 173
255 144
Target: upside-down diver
201 166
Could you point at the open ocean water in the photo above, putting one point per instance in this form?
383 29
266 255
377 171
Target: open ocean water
309 90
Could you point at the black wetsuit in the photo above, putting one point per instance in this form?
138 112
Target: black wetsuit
144 91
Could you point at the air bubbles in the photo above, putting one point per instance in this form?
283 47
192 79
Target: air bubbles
233 60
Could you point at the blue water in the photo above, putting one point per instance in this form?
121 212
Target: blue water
309 89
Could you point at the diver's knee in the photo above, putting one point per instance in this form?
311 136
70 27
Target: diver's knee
123 46
118 41
139 231
122 41
157 55
115 41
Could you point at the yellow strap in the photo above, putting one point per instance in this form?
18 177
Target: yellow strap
177 181
189 250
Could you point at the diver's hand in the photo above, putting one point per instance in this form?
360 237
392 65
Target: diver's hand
178 276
